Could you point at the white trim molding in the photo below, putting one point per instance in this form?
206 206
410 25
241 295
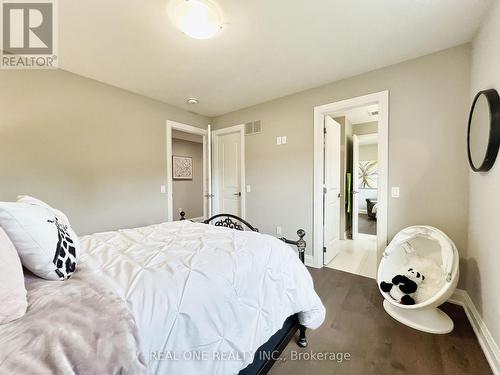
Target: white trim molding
309 261
486 340
172 125
382 98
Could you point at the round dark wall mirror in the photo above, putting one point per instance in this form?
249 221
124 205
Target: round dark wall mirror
483 135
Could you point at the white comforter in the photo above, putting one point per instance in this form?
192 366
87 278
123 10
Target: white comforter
204 298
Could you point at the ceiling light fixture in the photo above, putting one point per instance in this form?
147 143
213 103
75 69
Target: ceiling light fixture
199 19
192 101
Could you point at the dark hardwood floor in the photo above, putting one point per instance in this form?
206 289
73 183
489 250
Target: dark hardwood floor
356 323
367 225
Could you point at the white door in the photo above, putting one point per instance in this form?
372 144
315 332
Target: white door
227 173
331 190
208 193
355 186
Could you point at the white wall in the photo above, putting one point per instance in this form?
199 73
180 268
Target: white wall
483 256
429 99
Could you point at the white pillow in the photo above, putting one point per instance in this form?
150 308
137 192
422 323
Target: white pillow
12 289
43 238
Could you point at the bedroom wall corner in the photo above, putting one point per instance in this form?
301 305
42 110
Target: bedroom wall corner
483 260
429 99
94 151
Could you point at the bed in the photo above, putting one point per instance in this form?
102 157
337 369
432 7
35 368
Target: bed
171 298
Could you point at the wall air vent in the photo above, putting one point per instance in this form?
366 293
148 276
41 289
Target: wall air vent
254 127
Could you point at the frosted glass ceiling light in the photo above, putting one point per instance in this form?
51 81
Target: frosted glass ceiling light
199 19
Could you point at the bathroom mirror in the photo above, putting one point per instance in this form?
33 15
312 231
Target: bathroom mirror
483 136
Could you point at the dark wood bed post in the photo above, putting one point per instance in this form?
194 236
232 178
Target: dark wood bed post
301 247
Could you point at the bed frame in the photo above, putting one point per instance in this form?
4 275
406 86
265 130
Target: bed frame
270 351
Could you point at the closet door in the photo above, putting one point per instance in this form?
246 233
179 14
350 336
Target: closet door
208 194
228 171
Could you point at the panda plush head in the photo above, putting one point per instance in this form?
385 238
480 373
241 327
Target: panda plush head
402 287
414 275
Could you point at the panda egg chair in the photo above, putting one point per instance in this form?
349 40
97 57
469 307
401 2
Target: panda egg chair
434 254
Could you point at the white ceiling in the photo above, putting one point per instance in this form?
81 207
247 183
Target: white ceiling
267 49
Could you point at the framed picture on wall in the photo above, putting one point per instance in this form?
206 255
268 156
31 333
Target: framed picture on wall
182 168
367 174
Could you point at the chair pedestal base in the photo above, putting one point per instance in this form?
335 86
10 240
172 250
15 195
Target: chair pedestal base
427 319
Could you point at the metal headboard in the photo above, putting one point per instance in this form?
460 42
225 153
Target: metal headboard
235 222
230 221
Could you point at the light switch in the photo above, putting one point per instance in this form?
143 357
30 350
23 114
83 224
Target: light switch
249 188
278 140
163 189
278 231
283 140
395 192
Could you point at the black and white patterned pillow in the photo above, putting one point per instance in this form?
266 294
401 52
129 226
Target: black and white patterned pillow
43 237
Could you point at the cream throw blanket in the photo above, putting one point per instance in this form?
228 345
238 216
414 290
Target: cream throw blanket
71 327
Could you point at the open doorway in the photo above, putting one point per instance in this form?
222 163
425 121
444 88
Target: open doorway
187 170
351 166
365 156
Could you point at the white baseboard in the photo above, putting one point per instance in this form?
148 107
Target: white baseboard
488 344
309 260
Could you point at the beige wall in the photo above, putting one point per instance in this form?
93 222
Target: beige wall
483 264
368 152
365 128
429 99
188 194
94 151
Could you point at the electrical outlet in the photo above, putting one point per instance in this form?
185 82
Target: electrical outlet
283 140
180 210
163 189
278 230
395 192
278 140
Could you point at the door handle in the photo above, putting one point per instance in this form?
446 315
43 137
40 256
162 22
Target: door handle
238 194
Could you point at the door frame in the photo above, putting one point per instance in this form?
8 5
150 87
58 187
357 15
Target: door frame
382 99
355 189
173 125
215 166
